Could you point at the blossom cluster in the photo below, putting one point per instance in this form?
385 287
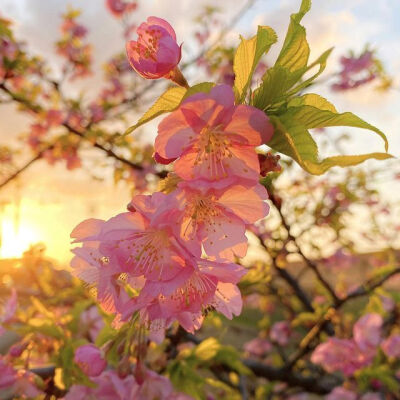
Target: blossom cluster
114 91
110 385
73 47
64 149
15 64
171 256
119 8
350 355
8 50
358 71
17 382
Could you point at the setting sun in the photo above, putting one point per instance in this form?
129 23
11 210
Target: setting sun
16 239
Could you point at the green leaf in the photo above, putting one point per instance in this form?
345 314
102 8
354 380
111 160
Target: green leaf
321 61
280 80
293 140
41 308
203 87
342 161
292 137
228 355
313 117
314 100
275 84
295 50
207 349
167 102
223 389
248 55
46 327
185 379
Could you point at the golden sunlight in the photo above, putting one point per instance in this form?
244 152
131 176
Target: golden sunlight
16 239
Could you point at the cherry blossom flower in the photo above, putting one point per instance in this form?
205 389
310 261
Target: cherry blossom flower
356 71
212 138
201 285
139 249
217 218
258 347
280 333
388 303
340 260
53 118
391 346
75 119
21 382
91 322
120 7
109 386
367 331
349 355
92 267
339 355
25 385
7 374
8 53
340 393
96 112
72 46
59 152
142 242
371 396
112 386
157 386
155 54
17 349
90 359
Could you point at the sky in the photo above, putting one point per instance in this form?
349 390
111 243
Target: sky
52 200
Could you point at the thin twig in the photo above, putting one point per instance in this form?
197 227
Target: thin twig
19 171
309 263
306 344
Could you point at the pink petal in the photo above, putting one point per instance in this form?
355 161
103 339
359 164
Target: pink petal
174 135
223 94
247 203
228 300
251 124
117 227
225 272
225 238
87 228
163 23
367 331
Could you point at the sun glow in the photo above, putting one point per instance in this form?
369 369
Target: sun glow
15 240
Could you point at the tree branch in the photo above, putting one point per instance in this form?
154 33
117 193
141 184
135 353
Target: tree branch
309 263
306 343
313 384
24 167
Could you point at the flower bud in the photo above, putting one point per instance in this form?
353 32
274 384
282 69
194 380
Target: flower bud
90 360
155 54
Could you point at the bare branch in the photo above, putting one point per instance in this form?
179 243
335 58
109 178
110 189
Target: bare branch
309 263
